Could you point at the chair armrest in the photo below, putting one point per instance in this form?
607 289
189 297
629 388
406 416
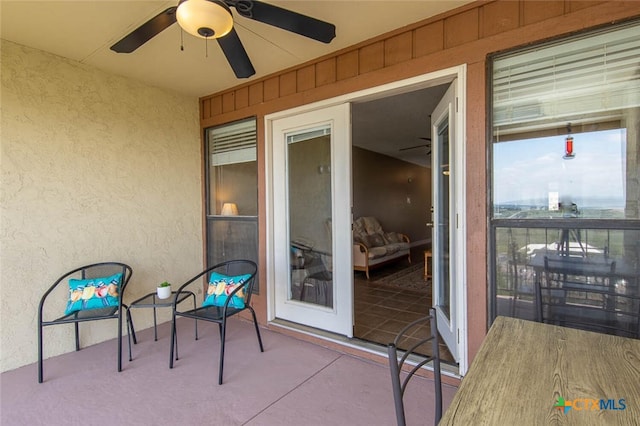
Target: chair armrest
360 254
182 289
405 238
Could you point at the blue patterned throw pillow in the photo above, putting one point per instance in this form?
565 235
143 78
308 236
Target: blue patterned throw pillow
93 293
221 286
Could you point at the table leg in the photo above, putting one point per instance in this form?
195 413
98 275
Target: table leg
427 260
155 325
130 331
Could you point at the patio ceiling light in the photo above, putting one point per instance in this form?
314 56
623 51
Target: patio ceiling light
204 18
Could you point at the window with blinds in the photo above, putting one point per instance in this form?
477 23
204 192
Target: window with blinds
233 168
233 143
232 192
593 76
564 191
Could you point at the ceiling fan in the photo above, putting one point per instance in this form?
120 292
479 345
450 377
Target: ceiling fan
426 145
213 19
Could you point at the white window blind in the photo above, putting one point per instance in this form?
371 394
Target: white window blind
308 134
595 74
233 143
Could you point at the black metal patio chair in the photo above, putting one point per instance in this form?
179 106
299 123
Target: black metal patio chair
417 346
94 293
589 296
229 293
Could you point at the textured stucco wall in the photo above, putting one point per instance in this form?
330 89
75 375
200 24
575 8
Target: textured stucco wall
94 167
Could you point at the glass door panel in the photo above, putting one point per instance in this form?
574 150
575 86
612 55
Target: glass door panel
309 201
443 280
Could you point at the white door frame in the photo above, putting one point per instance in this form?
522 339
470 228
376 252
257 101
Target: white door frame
420 82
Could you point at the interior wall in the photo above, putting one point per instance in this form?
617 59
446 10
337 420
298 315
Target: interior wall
229 184
94 167
397 193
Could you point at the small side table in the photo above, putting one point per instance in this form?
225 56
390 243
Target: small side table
427 264
152 300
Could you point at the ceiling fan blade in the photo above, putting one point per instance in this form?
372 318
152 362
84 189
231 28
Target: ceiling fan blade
236 55
146 31
426 139
287 20
413 147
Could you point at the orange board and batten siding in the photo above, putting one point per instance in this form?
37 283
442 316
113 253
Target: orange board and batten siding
462 36
462 26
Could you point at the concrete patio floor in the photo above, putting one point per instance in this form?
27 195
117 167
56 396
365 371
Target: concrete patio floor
292 383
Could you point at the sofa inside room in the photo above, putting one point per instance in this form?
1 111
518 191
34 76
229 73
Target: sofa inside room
373 246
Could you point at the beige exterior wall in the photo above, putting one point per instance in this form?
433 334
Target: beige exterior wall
94 167
462 36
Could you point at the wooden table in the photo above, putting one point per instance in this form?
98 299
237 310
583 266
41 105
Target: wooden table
592 266
524 367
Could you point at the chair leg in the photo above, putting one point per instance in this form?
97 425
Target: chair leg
223 331
77 336
303 290
129 332
436 365
255 323
133 328
397 387
40 375
195 320
176 331
120 341
173 341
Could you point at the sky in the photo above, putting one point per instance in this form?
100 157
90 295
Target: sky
527 171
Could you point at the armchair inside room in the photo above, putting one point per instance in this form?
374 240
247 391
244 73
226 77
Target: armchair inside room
230 287
88 293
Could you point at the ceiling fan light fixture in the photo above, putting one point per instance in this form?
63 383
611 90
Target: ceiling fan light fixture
204 18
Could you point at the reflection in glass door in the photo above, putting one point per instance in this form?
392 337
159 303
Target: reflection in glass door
309 201
443 280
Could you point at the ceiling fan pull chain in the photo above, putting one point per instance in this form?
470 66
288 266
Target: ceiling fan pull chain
206 47
181 39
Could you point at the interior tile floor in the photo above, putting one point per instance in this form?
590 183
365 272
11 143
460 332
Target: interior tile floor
382 311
